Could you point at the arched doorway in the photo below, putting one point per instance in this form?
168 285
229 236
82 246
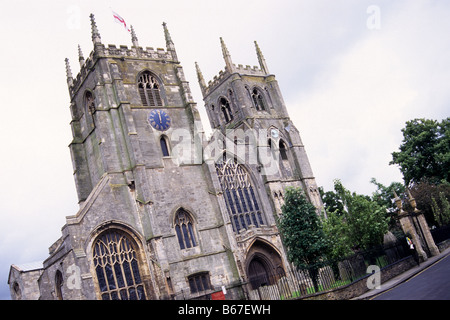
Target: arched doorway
263 264
259 273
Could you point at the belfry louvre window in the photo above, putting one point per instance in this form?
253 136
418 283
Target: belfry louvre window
226 110
117 267
258 100
184 229
240 197
149 90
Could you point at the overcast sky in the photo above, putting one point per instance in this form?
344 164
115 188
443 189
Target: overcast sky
352 72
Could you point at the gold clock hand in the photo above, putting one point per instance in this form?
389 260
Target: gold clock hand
159 114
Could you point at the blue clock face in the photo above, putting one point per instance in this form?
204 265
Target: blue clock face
159 120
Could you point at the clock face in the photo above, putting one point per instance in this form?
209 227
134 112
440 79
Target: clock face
159 120
274 133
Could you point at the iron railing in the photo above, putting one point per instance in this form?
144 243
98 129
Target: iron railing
299 283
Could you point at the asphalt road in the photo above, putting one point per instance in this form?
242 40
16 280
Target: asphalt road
432 283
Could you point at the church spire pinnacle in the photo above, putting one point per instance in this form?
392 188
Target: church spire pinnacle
227 57
169 43
96 39
68 73
262 61
134 38
201 80
80 56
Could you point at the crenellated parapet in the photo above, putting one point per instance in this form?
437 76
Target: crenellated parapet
231 69
122 52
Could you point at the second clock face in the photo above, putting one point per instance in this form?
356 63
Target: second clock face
159 120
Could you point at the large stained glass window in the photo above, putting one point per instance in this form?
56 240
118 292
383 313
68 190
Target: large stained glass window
117 267
240 196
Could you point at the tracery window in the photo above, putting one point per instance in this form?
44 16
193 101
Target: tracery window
149 90
226 110
185 229
240 197
258 100
117 267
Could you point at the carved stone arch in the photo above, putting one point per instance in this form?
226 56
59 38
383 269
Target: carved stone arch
187 208
263 263
184 224
118 263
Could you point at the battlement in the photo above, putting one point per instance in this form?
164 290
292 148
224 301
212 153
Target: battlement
232 69
122 52
239 69
139 52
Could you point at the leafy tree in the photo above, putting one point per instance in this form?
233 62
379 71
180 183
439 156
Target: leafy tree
441 213
425 151
424 192
362 224
302 233
331 202
384 194
384 197
338 236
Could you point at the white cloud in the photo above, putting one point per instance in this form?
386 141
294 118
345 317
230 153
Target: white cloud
349 90
352 116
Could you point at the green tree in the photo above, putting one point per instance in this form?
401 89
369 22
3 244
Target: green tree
365 222
384 197
425 151
338 236
302 233
441 216
384 194
331 202
424 192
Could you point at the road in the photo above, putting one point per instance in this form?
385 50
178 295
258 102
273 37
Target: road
433 283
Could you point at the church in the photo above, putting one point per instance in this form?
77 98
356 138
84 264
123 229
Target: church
164 212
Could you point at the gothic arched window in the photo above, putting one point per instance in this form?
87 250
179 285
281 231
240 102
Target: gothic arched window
90 102
164 146
258 100
149 90
226 110
89 107
283 150
240 197
184 227
116 264
58 285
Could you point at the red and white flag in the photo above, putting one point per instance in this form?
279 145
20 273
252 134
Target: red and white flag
118 19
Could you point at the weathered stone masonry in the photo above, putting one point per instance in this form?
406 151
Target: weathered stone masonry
157 218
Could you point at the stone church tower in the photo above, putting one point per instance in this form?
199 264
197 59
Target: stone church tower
165 213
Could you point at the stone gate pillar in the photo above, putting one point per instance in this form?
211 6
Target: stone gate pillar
415 224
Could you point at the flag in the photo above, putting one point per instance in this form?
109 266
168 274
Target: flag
118 19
